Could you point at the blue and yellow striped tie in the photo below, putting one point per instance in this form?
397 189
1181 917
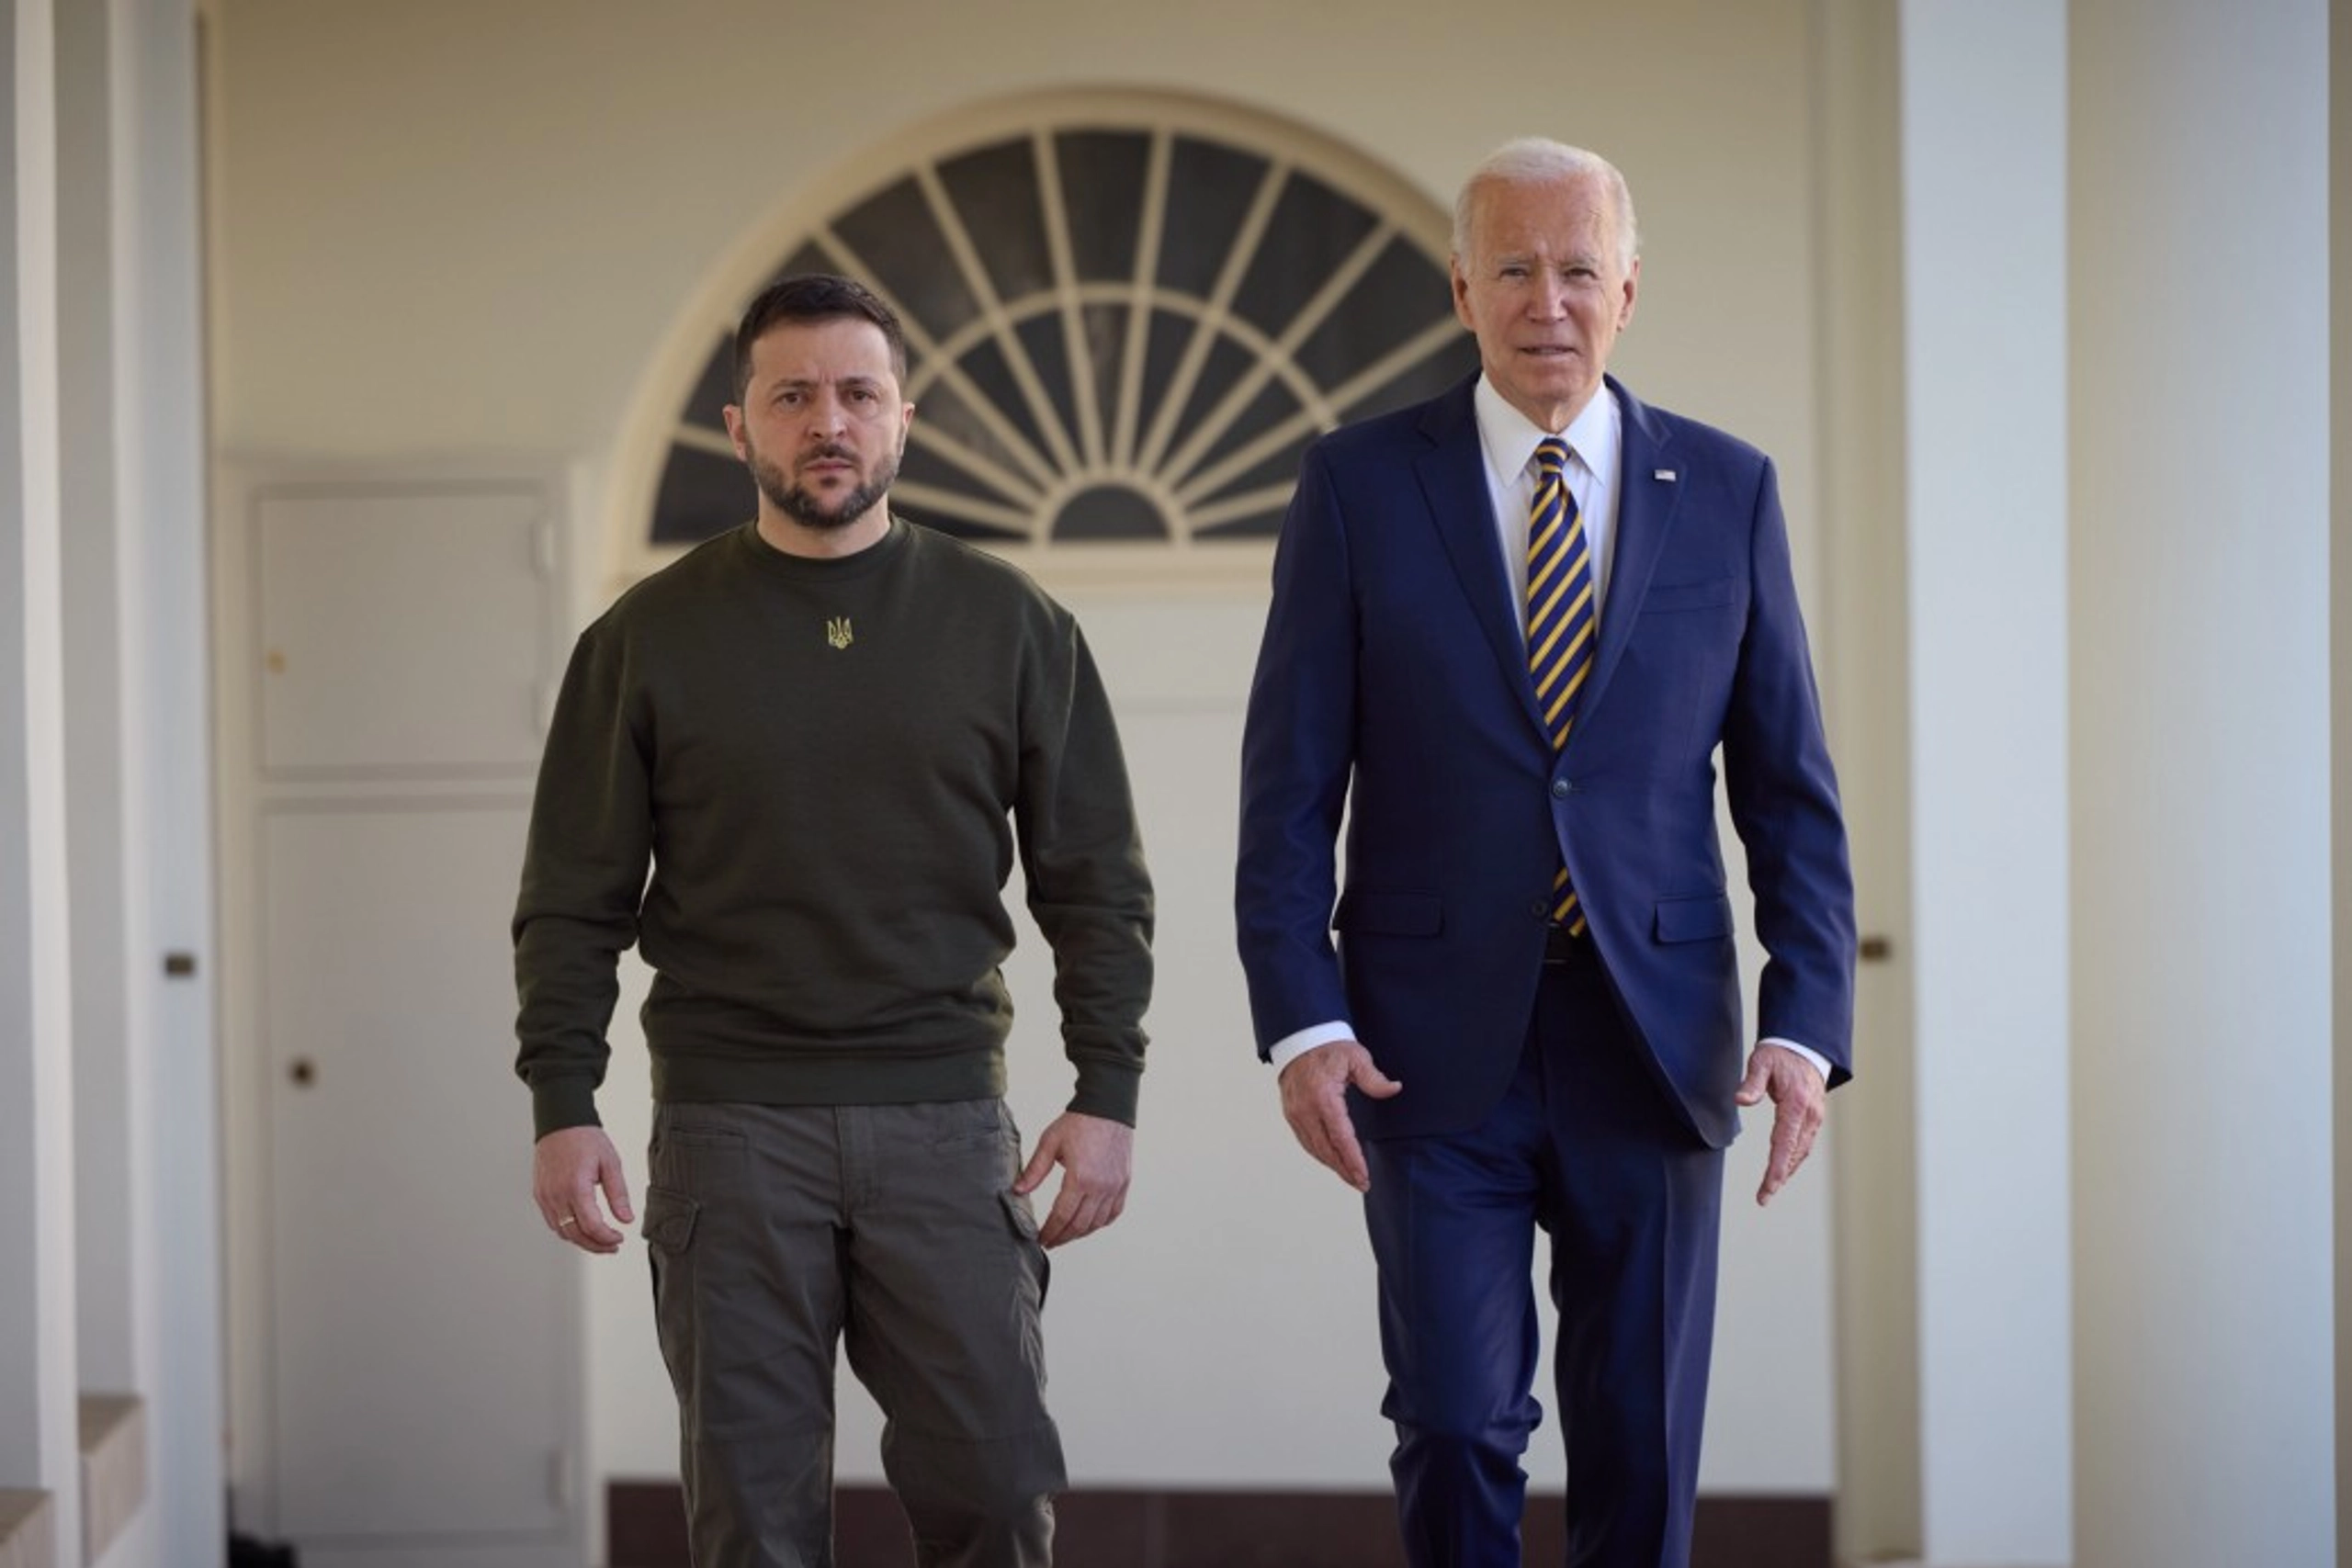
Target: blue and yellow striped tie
1562 622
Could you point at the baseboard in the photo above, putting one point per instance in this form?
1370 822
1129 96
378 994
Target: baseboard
114 1468
646 1529
27 1531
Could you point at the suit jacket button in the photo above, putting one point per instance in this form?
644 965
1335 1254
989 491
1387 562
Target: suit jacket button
1541 910
1562 789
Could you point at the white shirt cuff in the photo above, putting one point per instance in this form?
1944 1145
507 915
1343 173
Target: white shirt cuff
1291 1047
1820 1063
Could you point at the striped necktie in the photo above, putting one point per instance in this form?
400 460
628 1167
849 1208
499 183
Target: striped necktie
1562 622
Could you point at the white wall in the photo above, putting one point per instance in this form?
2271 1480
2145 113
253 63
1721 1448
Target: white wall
484 240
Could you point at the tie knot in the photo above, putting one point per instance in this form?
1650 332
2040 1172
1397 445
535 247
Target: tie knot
1552 457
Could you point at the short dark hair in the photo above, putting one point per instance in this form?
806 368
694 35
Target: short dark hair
814 297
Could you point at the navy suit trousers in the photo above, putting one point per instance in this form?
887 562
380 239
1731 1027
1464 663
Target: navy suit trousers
1585 1146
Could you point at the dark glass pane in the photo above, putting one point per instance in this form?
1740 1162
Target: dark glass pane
702 493
1163 344
1400 294
945 411
1273 403
1424 378
715 390
995 193
1257 526
1110 512
894 235
1280 468
1103 179
985 364
1048 352
1209 190
921 465
1313 229
1107 346
1227 361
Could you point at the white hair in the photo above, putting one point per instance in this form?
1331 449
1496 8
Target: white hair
1536 159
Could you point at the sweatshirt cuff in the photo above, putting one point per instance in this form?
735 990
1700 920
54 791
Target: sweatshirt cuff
563 1101
1108 1089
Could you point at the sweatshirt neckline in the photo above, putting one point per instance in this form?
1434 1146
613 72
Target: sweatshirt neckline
825 568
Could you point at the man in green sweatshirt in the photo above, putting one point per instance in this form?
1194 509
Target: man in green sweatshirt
827 734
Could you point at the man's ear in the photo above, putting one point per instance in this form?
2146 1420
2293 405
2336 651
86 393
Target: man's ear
1461 292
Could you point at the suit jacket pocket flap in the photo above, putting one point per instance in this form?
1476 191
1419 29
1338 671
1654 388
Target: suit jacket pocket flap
1390 914
1693 920
670 1218
1688 596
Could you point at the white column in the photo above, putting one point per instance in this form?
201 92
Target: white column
161 484
2340 692
106 1155
2204 1311
39 1444
1984 136
1944 272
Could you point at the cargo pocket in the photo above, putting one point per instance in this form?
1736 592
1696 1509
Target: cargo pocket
670 1217
1023 1216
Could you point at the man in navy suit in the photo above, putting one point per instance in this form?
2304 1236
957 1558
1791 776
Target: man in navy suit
1532 1015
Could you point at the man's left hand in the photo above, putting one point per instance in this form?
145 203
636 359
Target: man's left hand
1798 1100
1095 1155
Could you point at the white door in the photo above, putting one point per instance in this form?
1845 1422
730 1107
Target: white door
422 1346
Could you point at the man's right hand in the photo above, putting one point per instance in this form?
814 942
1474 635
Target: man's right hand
1315 1102
566 1168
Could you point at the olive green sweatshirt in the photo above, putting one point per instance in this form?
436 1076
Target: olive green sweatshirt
830 766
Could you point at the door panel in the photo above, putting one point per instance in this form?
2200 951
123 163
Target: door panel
401 631
421 1352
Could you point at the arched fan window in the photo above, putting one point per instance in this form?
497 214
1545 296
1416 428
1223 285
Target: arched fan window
1117 332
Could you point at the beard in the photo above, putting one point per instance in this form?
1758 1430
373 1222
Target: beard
796 502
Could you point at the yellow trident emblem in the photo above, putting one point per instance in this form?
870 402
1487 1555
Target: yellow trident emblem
837 631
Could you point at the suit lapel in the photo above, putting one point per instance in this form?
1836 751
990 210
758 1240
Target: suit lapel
1452 474
1646 505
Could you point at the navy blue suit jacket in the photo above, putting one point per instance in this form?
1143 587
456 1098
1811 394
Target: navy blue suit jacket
1392 686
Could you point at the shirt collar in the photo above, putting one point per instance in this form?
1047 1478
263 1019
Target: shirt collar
1509 437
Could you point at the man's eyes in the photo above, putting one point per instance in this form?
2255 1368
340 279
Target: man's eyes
1521 274
793 396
